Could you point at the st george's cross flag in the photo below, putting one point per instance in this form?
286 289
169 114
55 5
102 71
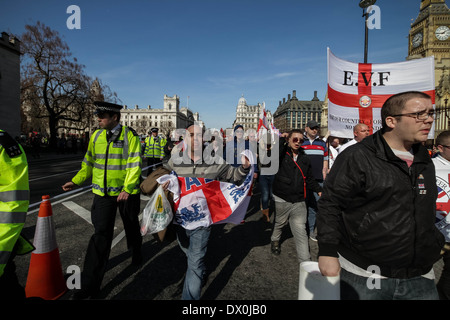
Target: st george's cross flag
357 91
263 125
443 201
200 202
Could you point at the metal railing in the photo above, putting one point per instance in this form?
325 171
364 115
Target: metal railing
71 194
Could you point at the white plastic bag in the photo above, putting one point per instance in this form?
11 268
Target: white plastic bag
157 213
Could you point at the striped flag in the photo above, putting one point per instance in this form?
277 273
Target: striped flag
357 91
200 202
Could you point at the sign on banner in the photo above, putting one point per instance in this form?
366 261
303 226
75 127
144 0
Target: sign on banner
357 91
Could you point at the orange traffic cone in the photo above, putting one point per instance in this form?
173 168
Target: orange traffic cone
45 277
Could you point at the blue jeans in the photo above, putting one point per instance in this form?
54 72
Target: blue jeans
265 184
194 243
311 202
354 287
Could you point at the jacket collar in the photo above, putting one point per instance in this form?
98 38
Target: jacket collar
378 144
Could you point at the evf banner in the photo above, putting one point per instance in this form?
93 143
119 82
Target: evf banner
443 200
200 202
357 91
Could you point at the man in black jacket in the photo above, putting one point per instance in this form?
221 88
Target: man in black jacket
377 211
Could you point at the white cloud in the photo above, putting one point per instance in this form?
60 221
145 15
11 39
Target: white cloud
239 81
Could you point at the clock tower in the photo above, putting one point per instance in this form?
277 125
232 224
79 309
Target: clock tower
430 36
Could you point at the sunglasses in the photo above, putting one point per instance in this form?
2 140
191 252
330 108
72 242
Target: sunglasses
295 140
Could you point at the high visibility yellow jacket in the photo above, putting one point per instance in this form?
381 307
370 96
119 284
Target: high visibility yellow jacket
114 165
14 197
154 148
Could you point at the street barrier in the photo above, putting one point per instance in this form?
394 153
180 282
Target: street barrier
74 192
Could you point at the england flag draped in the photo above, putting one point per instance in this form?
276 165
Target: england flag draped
357 91
201 202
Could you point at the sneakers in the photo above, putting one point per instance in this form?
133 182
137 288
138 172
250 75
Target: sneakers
313 235
275 247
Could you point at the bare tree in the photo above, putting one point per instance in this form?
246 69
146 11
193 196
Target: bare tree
54 86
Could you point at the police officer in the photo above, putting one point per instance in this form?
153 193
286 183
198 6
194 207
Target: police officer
14 201
154 149
114 162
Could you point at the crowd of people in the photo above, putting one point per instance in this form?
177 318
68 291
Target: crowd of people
369 203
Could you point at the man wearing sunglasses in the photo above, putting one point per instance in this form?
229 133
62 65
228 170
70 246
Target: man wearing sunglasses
376 221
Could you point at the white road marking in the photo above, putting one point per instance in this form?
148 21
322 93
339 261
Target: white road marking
78 210
86 214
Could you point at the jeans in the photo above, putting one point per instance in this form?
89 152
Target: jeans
265 184
311 202
354 287
295 214
194 244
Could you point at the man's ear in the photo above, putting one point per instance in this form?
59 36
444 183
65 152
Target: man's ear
391 122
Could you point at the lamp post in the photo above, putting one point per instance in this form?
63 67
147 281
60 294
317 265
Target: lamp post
364 4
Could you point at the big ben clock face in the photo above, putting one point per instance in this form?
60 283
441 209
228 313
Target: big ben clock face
442 33
417 40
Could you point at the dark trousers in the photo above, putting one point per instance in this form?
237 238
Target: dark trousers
150 162
103 215
10 289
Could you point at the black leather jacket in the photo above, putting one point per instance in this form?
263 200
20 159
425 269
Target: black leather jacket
375 210
288 182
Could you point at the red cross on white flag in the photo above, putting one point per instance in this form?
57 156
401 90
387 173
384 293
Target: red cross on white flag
357 91
262 124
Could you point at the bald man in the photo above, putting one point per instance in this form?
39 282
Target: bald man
360 131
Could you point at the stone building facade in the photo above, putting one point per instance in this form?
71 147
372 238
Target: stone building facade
10 119
167 119
248 115
429 35
293 113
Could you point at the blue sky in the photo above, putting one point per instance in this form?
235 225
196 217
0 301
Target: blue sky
216 50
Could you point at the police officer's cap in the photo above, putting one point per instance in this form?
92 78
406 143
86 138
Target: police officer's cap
154 130
102 107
